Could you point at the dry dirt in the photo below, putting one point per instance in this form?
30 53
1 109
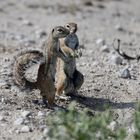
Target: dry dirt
23 26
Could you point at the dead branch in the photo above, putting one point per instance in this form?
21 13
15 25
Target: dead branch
123 54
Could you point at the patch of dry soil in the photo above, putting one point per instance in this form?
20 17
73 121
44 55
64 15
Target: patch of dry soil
24 25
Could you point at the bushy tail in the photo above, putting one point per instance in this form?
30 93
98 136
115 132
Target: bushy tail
23 61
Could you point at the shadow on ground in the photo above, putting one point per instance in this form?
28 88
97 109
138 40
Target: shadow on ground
100 104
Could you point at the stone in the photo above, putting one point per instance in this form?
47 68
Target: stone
112 125
17 131
27 22
42 127
114 59
119 28
19 121
100 41
2 118
41 114
88 3
25 113
45 132
2 83
105 48
2 99
5 113
25 129
19 37
125 74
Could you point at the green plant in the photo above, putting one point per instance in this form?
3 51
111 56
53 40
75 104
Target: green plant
74 125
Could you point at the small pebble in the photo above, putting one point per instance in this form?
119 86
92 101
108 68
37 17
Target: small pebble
3 84
31 41
132 128
105 48
83 64
41 114
116 60
26 121
42 121
3 124
100 41
112 125
42 127
26 22
119 28
5 113
25 113
20 18
125 74
2 118
19 37
2 99
45 132
98 135
42 138
19 121
17 131
10 132
25 129
88 3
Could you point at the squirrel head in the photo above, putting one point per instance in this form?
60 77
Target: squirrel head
71 26
60 32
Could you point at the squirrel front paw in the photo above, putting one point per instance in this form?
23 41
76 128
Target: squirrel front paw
74 55
78 53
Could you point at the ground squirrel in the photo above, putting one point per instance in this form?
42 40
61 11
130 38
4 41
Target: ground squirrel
68 78
46 72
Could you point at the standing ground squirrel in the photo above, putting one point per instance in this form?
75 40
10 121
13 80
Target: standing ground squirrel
68 78
46 72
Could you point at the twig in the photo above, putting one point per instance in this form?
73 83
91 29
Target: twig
123 54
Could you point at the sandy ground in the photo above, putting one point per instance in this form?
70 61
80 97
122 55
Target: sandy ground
23 26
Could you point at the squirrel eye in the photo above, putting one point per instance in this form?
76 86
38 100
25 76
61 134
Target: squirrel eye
60 30
68 26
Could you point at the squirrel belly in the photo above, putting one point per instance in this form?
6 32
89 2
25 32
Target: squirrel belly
68 78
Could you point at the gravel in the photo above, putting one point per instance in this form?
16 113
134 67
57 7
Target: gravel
25 113
25 129
23 27
19 121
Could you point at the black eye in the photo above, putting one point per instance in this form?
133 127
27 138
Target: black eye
60 30
68 26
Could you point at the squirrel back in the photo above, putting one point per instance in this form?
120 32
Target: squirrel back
22 62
